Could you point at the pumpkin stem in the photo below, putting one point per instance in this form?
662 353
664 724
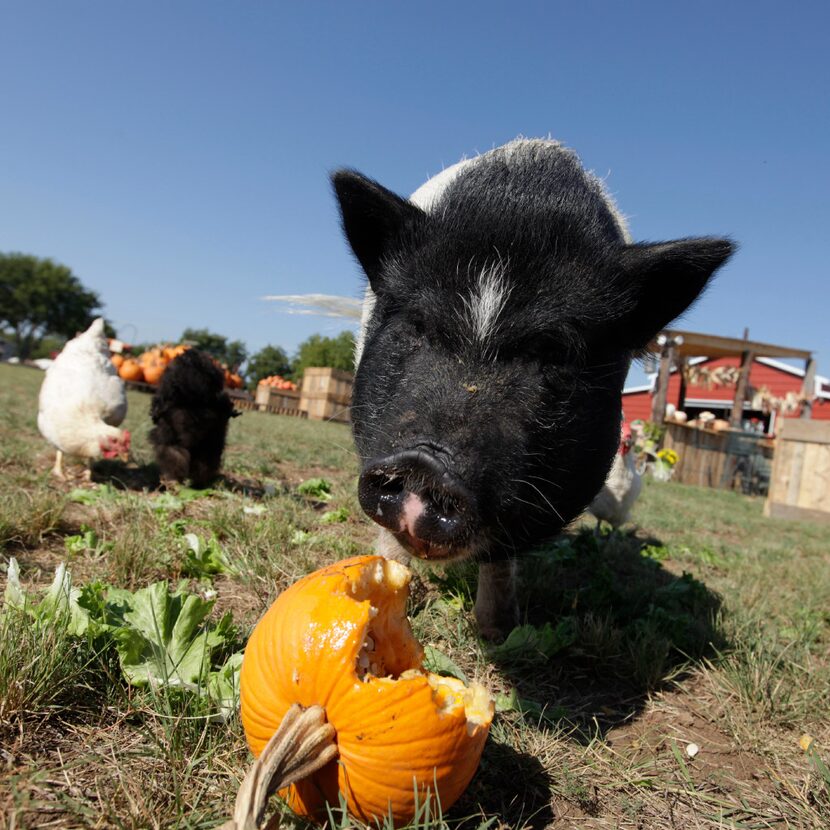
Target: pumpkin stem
303 743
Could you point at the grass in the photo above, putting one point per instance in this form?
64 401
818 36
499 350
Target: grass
705 624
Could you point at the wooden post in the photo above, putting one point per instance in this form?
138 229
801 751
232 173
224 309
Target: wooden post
661 389
681 368
808 388
737 415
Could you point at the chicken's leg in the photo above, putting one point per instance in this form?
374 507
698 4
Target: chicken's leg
57 470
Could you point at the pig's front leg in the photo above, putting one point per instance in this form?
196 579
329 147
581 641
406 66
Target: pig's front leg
496 608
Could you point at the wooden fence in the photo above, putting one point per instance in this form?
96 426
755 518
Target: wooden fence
273 405
800 484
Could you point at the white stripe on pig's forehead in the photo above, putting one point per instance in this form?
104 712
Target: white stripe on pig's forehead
481 309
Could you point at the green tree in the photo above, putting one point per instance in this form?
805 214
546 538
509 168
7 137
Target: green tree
39 297
236 354
270 360
334 352
232 354
47 346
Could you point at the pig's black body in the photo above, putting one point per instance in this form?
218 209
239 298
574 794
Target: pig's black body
502 317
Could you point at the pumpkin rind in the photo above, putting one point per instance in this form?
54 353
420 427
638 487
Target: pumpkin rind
392 731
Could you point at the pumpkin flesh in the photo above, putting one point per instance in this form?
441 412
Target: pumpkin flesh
339 638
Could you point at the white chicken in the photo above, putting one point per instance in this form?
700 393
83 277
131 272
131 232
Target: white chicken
614 501
83 401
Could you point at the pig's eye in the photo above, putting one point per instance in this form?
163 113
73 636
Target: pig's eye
538 348
547 350
417 324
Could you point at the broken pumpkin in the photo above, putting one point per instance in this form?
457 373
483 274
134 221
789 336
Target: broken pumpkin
339 638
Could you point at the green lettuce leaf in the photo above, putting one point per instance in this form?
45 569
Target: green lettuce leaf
14 596
318 488
335 516
61 601
163 641
437 662
223 687
528 643
204 558
59 604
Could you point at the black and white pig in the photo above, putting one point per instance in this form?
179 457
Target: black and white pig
505 302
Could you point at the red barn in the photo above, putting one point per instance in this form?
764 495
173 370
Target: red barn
772 389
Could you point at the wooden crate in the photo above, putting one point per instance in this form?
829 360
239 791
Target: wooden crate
334 383
323 409
283 400
800 484
723 459
701 454
327 394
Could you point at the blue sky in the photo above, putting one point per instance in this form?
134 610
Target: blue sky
176 155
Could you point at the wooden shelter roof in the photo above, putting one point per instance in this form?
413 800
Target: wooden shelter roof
711 345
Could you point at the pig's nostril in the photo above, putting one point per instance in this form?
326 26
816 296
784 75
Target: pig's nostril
391 485
381 495
445 505
382 485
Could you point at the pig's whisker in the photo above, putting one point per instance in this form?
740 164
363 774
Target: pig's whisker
543 480
547 501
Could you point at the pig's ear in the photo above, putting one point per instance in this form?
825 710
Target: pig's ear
660 281
373 219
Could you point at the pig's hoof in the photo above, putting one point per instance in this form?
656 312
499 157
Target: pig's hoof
491 634
494 624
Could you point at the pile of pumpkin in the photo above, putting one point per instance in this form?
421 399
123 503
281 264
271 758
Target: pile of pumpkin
149 366
278 382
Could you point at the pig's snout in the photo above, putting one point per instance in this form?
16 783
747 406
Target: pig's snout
414 494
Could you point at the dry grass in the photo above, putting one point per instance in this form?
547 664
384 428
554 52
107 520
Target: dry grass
708 625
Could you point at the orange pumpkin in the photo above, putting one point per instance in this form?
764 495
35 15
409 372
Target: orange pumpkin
278 382
155 355
172 352
117 359
339 638
130 369
153 371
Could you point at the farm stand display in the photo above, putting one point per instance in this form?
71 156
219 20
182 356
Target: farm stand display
702 372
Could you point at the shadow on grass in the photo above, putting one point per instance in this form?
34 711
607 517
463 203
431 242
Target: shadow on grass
606 625
122 476
526 800
142 477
